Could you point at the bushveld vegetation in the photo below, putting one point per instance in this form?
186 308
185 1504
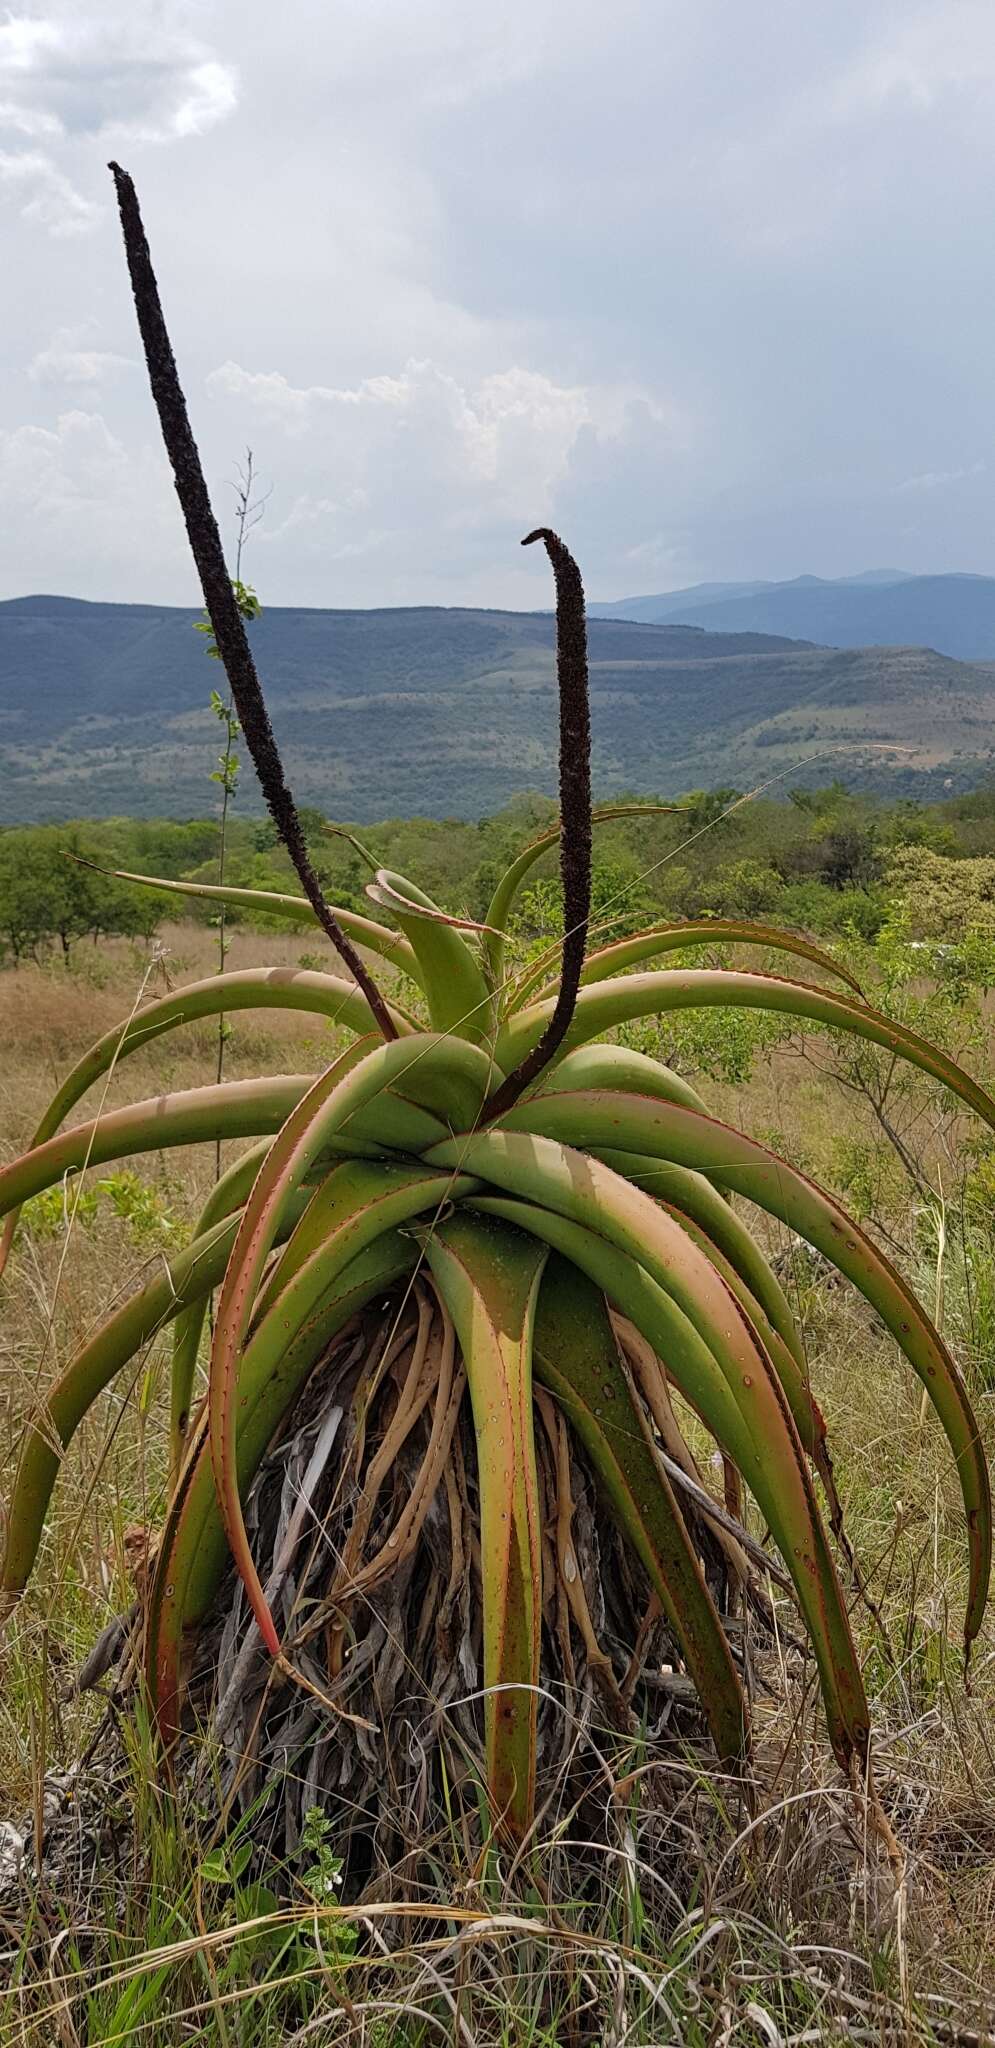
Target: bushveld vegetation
823 860
549 1608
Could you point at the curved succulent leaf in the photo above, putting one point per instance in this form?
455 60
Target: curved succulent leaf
188 1275
376 938
225 1197
576 1355
615 1066
457 994
677 938
328 1108
193 1549
236 1109
502 902
763 1440
489 1277
607 1004
667 1131
788 1362
256 988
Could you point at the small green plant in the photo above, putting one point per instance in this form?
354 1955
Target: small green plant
148 1216
49 1213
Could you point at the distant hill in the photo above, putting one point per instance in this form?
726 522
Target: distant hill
104 710
884 608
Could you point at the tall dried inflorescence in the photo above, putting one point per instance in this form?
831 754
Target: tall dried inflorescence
575 810
219 597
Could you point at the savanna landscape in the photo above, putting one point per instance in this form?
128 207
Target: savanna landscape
497 1155
682 1895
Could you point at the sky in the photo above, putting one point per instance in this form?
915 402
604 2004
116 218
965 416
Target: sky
708 285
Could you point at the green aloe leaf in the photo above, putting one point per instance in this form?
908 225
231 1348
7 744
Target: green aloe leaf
615 1066
575 1354
762 1438
194 1547
235 1109
503 900
677 938
788 1361
188 1276
376 938
281 988
227 1195
454 984
607 1004
489 1277
669 1132
427 1065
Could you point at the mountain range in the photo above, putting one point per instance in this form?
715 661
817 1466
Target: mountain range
881 608
104 709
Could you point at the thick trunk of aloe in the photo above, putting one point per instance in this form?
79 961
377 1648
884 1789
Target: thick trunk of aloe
644 1127
194 1547
488 1277
575 1354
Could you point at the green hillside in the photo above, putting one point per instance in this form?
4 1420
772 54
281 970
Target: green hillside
104 710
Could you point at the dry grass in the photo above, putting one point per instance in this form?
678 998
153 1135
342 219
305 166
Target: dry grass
805 1876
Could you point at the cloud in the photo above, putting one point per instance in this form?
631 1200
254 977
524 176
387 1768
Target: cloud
505 420
46 195
937 479
90 509
66 361
122 71
706 287
920 58
416 465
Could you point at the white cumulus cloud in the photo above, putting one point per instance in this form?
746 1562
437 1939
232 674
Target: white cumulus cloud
44 194
133 70
67 360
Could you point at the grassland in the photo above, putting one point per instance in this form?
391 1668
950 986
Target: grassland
784 1930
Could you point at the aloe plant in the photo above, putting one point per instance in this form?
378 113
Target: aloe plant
544 1182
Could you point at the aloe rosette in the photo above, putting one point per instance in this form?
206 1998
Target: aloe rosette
544 1183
